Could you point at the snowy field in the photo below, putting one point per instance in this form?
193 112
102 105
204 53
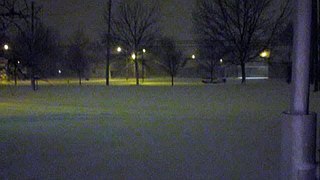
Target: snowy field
190 131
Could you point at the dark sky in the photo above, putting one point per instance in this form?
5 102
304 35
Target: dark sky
67 15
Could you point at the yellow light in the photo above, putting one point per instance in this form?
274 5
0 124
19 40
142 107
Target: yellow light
193 56
119 49
265 54
144 50
6 47
133 56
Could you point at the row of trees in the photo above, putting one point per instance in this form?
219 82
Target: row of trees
235 30
35 49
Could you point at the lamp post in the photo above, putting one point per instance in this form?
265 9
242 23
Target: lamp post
108 44
143 63
6 49
298 143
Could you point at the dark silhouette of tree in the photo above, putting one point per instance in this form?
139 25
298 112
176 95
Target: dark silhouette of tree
16 14
134 26
286 39
23 17
36 52
169 58
209 58
247 27
77 54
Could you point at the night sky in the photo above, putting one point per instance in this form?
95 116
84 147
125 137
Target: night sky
66 16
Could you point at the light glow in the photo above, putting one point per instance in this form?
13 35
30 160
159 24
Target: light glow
265 54
144 50
119 49
133 56
193 56
6 47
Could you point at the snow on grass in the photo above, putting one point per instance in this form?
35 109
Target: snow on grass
222 131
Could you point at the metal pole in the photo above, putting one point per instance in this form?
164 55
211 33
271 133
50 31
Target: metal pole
298 149
33 83
315 51
108 44
317 65
301 57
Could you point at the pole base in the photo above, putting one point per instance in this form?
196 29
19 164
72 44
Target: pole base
298 146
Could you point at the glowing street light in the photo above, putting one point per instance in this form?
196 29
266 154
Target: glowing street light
193 56
144 50
221 61
18 62
6 47
59 71
133 56
119 49
265 54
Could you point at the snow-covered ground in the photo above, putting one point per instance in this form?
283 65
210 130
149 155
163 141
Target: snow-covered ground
196 131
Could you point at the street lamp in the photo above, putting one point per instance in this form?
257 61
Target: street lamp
265 54
119 49
221 61
133 56
144 50
6 47
193 56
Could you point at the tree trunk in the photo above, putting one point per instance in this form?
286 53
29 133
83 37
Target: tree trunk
243 72
127 70
33 81
172 83
137 71
211 75
79 76
211 71
15 75
143 70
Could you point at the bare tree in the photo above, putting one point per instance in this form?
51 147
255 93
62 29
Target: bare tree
247 27
22 17
210 56
16 14
36 51
77 55
134 27
169 58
